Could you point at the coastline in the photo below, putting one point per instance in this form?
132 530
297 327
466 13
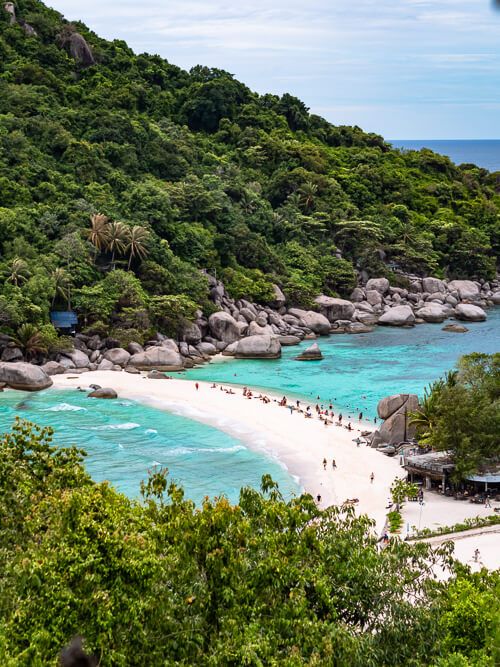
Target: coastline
298 443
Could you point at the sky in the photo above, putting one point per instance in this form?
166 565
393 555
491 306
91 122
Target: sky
406 69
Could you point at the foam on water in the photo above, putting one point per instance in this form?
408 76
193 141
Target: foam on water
201 458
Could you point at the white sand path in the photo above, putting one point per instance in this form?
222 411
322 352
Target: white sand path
300 444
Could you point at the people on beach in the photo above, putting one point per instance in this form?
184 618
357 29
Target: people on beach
372 477
487 502
349 427
318 498
476 555
360 416
197 386
324 464
340 418
334 465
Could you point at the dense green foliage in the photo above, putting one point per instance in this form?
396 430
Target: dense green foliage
461 414
210 175
265 582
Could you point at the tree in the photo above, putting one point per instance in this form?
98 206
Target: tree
136 243
460 414
30 341
18 271
117 240
62 286
99 232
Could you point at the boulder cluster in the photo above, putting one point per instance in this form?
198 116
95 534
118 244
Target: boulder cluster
248 330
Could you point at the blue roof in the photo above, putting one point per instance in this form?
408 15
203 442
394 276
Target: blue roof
64 319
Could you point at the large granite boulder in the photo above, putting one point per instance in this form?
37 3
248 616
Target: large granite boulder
12 353
379 284
134 348
105 365
399 316
23 376
357 295
466 289
455 328
103 392
78 357
470 313
495 297
289 340
160 357
316 322
118 356
53 368
433 312
312 353
206 348
279 299
255 329
432 285
224 327
373 297
395 411
334 309
258 347
192 334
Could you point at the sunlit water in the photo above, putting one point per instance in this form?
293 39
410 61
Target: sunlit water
125 440
358 370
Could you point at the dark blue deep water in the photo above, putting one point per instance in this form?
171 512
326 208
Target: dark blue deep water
482 152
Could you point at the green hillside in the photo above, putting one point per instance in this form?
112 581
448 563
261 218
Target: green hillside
192 170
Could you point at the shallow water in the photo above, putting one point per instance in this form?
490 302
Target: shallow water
124 440
358 370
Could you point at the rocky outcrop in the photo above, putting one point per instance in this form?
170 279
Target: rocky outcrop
378 284
11 353
53 368
258 347
455 328
224 327
467 289
103 392
312 353
289 340
117 356
279 299
432 312
161 358
433 285
334 309
395 411
23 376
76 45
11 11
469 313
316 322
79 358
399 316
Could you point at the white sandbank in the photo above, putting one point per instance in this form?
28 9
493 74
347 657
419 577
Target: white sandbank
300 444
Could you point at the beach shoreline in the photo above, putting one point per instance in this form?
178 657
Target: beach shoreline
297 442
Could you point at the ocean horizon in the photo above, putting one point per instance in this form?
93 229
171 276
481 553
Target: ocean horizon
481 152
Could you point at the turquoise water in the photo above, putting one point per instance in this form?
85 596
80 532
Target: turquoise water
483 152
124 440
358 370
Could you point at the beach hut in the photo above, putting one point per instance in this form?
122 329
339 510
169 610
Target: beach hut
64 321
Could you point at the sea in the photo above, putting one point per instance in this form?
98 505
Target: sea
126 440
482 152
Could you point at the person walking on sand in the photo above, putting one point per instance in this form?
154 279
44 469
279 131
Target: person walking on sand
318 499
476 556
372 477
324 464
334 465
196 385
340 418
487 502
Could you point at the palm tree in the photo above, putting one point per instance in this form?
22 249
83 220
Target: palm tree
137 238
18 271
117 239
29 340
62 283
99 231
308 193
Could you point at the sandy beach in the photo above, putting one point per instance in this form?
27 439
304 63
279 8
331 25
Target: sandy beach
298 442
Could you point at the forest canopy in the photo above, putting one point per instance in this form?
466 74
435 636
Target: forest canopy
193 170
